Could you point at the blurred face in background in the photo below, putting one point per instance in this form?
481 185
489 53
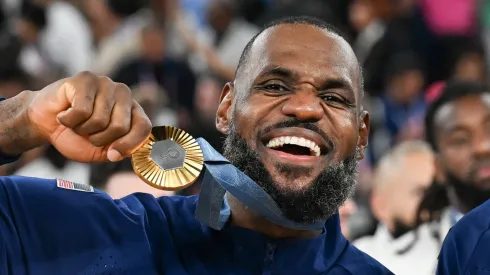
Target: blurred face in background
407 86
470 66
207 98
27 31
401 186
463 141
220 14
361 14
153 44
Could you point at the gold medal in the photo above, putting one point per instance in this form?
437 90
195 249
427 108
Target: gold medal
170 160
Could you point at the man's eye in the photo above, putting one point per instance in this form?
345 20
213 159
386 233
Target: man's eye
331 98
275 87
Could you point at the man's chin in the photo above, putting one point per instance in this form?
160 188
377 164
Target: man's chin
288 185
483 185
304 193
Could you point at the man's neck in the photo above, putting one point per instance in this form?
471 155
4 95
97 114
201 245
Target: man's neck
242 216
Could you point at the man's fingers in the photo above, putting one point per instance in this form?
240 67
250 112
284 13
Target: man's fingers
103 107
139 133
119 120
80 91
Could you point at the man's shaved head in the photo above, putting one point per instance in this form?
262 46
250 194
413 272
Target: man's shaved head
306 20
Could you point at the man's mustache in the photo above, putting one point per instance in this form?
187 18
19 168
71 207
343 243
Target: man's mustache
479 164
299 124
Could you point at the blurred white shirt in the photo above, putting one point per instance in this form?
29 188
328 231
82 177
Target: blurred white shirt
420 259
231 46
67 38
42 168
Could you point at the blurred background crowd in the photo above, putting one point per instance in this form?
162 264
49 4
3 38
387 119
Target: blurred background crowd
177 54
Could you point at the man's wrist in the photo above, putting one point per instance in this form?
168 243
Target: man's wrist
16 134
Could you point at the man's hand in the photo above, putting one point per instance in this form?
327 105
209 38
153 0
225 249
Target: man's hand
88 118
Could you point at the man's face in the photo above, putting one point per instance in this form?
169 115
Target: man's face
153 46
463 139
293 119
27 31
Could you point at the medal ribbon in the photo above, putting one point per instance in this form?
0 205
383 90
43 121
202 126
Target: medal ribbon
220 176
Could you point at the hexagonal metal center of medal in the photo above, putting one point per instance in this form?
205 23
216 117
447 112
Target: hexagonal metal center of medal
168 154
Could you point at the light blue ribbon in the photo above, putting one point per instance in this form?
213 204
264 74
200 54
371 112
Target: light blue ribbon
221 176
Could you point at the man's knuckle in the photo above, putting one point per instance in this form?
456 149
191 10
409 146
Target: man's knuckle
119 128
105 79
123 89
82 111
99 121
96 141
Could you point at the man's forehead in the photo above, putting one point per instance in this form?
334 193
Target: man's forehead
303 47
462 110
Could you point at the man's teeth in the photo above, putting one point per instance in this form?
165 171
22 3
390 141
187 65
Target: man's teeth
299 141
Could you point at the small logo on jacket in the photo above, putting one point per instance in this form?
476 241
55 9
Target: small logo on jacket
73 186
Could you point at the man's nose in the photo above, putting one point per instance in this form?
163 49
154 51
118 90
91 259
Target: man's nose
304 105
481 146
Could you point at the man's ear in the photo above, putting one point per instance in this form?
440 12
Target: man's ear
362 141
224 113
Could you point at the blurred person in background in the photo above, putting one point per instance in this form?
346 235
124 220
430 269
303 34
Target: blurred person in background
326 10
118 24
205 106
47 162
397 113
457 126
467 62
345 215
156 72
10 44
67 38
12 81
400 180
219 47
173 16
369 44
404 102
118 180
33 58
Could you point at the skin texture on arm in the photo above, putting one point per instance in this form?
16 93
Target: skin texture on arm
16 136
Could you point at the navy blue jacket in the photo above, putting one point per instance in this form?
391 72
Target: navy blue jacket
466 247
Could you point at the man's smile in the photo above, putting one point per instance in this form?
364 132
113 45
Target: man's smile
294 144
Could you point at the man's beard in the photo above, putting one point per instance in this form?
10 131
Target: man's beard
469 195
320 200
400 228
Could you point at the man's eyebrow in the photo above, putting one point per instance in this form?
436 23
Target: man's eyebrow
330 83
279 71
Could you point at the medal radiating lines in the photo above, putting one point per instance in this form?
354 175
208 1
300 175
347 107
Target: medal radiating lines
171 159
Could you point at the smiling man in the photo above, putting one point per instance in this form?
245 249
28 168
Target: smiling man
294 125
